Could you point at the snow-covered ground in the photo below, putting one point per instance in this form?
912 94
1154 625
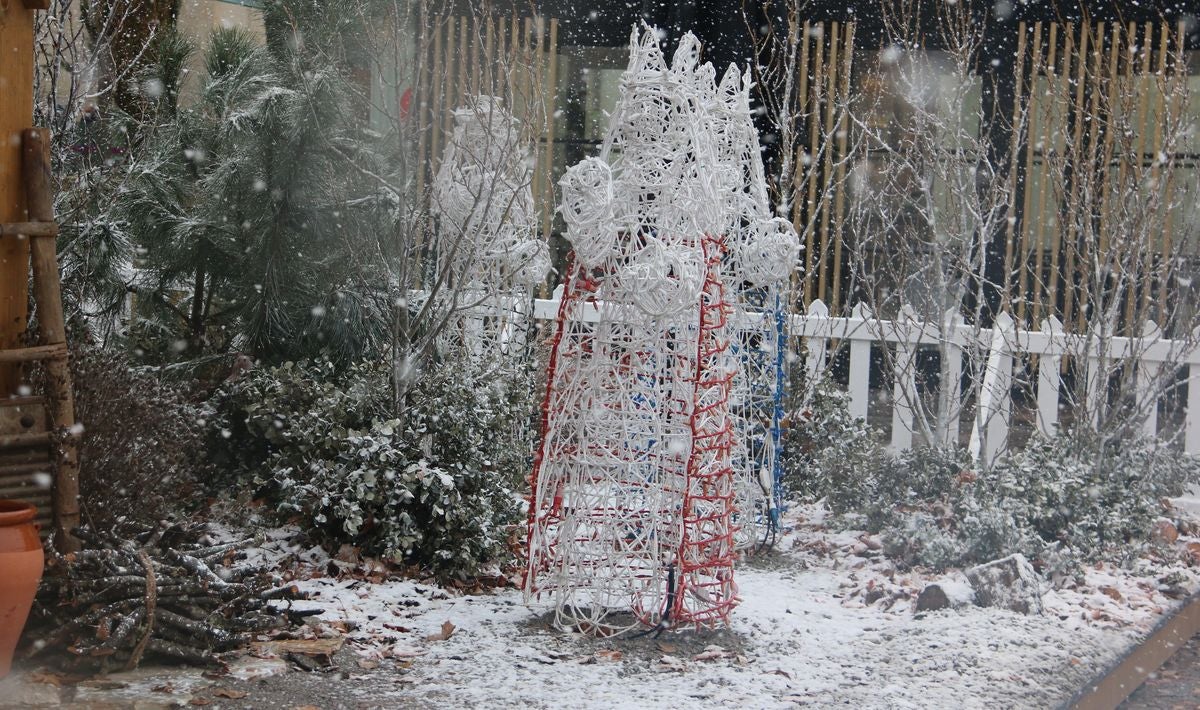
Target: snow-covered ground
823 620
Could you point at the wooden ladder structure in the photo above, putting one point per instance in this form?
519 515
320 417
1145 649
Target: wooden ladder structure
39 460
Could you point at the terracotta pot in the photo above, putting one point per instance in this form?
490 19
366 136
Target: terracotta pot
21 561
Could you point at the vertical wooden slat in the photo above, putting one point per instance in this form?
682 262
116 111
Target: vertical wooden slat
47 292
476 40
528 68
1091 167
437 88
1160 121
450 95
16 111
1191 426
839 185
1177 87
1148 377
422 101
1054 237
904 380
814 138
1071 246
1041 276
1113 97
461 58
1127 160
552 94
1144 117
537 110
514 45
1014 156
801 172
830 92
859 386
1026 250
489 55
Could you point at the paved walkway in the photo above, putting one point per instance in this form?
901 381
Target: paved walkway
1176 686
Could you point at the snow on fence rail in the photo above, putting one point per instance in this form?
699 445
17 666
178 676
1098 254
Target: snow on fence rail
997 349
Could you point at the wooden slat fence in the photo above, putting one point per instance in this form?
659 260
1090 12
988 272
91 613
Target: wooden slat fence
1100 110
514 58
1103 128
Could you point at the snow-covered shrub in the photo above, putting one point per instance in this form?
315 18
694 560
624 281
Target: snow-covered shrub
820 438
435 488
1097 497
1060 502
142 441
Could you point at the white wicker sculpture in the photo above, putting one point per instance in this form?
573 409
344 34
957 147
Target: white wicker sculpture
764 251
631 514
488 225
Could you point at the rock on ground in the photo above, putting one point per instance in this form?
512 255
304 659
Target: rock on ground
1008 583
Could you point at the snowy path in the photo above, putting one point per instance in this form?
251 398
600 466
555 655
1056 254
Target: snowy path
803 635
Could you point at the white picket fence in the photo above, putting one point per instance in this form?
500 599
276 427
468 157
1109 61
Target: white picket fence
1152 355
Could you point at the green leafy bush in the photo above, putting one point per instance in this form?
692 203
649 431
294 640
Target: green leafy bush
1061 501
435 488
821 442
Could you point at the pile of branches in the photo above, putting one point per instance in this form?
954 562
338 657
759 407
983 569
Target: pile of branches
167 591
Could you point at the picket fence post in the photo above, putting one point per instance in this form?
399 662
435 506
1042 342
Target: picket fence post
1049 378
989 436
860 362
904 378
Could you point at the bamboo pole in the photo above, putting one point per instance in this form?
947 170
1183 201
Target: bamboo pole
1071 247
476 41
1041 276
47 292
1109 139
1128 155
537 133
1091 176
514 48
1056 238
827 169
1160 116
1027 247
436 94
840 184
798 171
16 111
1014 157
461 59
551 90
423 100
1178 85
1143 118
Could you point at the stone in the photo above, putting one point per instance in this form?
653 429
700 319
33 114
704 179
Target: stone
1164 531
1008 583
944 594
23 690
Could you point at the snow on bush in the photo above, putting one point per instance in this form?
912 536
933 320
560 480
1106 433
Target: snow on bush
820 439
435 488
1075 498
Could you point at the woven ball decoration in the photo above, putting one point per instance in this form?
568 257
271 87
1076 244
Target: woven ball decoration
587 192
769 252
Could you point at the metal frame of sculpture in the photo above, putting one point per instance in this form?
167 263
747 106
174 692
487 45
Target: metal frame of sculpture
631 520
